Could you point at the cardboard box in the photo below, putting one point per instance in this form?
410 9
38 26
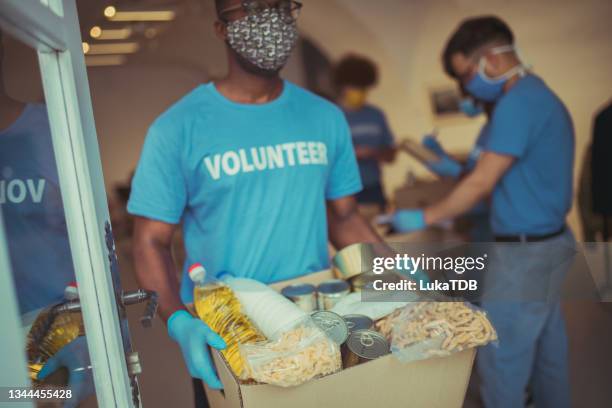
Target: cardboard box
384 382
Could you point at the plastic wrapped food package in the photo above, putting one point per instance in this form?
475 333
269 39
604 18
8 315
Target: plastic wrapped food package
300 354
219 308
429 329
352 304
270 311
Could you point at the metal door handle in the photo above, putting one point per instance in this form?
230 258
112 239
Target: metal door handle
139 296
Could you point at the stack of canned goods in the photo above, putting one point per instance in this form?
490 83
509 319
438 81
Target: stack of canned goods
358 343
323 297
353 332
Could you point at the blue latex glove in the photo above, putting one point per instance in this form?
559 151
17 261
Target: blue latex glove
75 357
445 166
408 220
430 142
193 335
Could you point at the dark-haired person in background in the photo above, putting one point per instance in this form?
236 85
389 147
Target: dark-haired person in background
527 168
260 173
354 77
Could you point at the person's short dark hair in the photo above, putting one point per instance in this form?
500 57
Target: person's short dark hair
357 71
472 34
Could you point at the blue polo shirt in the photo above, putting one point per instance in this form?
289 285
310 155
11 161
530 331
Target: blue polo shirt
369 128
249 183
531 124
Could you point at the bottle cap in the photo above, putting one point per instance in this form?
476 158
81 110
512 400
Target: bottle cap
197 273
71 291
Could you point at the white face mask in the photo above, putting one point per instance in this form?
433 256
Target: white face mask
265 39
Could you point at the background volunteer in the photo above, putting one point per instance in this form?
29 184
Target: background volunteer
354 77
446 166
527 166
35 225
257 170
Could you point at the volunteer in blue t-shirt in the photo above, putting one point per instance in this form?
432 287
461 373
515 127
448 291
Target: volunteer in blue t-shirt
259 172
526 166
354 76
35 226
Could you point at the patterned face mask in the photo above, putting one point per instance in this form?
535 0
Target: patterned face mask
265 39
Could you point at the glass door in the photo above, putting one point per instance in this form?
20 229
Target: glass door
56 227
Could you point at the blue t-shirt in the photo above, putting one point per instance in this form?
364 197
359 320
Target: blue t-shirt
479 146
33 211
369 128
248 182
531 124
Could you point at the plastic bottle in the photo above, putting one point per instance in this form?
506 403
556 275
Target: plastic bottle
50 332
217 306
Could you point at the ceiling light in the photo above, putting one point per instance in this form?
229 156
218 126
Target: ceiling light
112 33
158 15
85 48
95 32
110 11
113 48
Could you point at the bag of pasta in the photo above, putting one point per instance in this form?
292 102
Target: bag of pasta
300 354
436 329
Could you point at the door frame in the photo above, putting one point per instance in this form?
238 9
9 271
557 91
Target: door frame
52 28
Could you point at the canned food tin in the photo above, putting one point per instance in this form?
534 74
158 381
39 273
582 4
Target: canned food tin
358 322
363 346
359 282
332 324
331 292
303 295
353 260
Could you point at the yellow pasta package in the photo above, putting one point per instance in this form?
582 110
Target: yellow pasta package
434 329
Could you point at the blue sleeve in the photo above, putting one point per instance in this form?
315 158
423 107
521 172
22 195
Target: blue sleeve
387 136
509 130
159 189
344 178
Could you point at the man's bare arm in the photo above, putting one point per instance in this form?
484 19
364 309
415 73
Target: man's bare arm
347 226
153 263
474 187
382 154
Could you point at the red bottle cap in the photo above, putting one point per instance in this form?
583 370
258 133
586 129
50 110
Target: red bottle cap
71 292
197 272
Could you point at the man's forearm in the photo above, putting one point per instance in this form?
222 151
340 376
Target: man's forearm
350 228
462 199
155 270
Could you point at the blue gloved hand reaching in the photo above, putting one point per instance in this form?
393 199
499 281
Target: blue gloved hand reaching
408 220
445 166
193 335
74 357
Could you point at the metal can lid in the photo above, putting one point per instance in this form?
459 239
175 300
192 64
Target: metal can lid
367 344
333 286
332 324
299 289
357 322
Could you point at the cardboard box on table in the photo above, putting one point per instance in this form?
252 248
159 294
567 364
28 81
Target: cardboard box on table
383 383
